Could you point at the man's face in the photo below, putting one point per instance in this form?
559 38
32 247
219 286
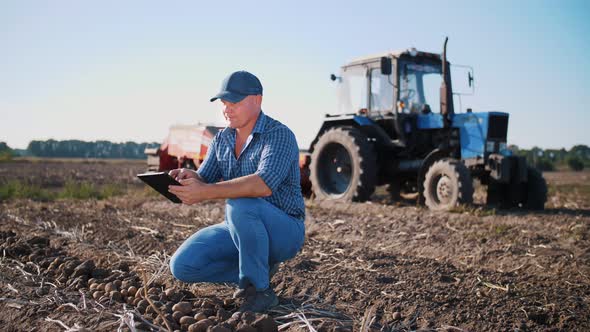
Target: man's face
242 113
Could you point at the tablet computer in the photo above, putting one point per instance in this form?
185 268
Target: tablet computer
160 181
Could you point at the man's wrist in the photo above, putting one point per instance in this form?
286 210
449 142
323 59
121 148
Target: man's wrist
198 177
209 191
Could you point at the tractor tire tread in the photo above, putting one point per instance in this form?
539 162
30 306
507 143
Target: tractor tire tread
464 183
356 142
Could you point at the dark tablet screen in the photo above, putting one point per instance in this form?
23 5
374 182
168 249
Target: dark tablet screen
160 181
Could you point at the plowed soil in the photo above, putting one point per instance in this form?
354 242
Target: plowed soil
377 266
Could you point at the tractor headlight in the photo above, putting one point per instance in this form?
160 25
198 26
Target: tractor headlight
490 146
502 147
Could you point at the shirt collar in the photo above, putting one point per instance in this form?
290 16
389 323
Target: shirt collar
259 126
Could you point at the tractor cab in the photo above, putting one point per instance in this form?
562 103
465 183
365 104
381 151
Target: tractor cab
391 89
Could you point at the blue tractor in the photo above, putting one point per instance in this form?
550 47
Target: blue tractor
397 126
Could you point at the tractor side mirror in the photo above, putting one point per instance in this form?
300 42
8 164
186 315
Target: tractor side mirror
336 78
386 66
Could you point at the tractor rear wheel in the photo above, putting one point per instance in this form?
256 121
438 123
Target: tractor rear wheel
447 184
343 166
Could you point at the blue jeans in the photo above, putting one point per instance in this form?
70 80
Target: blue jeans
254 235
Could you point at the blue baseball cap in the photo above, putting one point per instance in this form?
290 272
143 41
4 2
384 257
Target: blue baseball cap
238 85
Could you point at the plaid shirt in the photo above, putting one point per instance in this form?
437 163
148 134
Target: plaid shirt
270 152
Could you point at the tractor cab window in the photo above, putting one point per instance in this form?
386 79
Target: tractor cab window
381 91
419 86
352 94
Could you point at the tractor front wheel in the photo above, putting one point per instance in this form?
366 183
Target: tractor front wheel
530 195
447 184
343 166
188 163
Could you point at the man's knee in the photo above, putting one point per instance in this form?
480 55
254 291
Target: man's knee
177 267
182 270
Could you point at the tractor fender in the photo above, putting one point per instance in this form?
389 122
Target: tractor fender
431 158
364 124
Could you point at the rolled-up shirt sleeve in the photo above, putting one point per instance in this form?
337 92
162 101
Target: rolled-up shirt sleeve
209 169
277 156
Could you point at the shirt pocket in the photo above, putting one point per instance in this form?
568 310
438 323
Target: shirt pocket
254 159
225 160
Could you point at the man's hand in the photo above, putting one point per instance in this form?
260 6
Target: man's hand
183 173
191 191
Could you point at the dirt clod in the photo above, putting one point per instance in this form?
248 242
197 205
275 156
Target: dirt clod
132 290
200 326
265 323
97 295
187 320
184 307
200 316
246 328
100 273
248 317
223 315
177 315
116 296
84 269
219 328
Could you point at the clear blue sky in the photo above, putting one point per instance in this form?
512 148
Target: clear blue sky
127 70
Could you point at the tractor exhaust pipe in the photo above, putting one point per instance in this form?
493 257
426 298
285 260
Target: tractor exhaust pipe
446 90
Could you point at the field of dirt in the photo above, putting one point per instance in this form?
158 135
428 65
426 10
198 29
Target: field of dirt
101 265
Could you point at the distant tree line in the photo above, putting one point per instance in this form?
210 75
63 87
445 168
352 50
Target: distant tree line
6 152
4 147
82 149
577 158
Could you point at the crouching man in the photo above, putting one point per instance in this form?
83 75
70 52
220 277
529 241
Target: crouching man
253 164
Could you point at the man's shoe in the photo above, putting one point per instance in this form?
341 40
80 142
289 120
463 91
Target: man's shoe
250 290
244 292
261 301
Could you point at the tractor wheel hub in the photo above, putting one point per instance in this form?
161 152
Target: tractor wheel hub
444 189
